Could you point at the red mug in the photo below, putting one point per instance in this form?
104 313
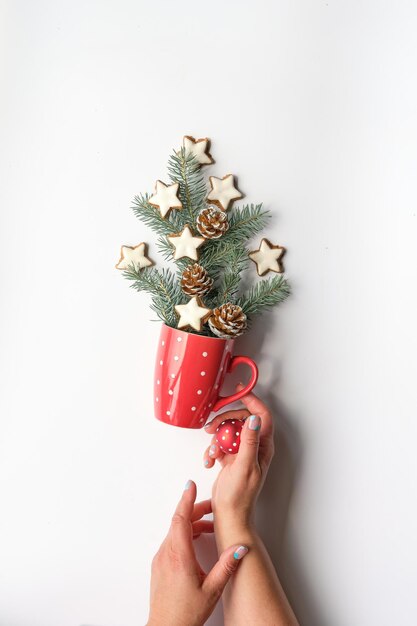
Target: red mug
189 373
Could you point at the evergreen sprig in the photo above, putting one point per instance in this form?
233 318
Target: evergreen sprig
229 280
265 294
244 224
224 259
183 168
163 288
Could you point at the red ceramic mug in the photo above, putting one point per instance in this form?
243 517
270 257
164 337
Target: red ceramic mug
189 374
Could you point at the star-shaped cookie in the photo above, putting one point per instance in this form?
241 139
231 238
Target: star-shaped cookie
192 314
134 255
199 148
223 191
165 197
185 244
267 258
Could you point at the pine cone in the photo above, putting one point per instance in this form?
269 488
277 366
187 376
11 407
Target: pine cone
228 321
195 281
212 222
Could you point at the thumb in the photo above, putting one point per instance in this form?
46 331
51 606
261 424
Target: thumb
220 574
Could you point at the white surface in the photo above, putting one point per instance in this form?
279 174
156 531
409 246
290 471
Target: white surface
312 105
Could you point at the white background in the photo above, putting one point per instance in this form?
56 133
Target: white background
312 104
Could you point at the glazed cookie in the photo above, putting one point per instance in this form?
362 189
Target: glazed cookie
185 244
134 255
165 197
193 314
199 148
267 258
223 191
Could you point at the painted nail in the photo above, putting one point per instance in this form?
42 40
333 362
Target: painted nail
213 449
188 485
206 462
240 553
254 422
207 425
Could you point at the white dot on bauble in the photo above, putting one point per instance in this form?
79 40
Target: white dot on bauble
161 362
223 437
157 399
199 392
227 430
170 392
230 450
168 412
235 444
237 434
163 343
205 353
179 339
193 408
157 382
172 375
176 358
203 373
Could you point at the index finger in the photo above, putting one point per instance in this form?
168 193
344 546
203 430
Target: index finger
238 414
180 532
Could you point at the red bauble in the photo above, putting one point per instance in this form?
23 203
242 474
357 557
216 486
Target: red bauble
228 436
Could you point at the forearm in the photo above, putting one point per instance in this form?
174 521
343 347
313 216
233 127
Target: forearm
254 595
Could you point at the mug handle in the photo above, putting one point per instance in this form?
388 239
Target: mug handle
234 362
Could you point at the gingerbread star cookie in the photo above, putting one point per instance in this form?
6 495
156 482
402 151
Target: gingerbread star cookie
267 258
199 148
223 191
185 244
192 314
134 255
165 197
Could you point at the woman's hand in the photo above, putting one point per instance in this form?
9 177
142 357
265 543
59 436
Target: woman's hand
256 595
239 482
181 593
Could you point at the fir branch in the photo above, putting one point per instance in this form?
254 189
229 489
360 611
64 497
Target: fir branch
230 279
163 288
246 222
265 294
183 168
243 225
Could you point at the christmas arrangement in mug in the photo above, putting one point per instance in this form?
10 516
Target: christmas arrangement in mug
206 236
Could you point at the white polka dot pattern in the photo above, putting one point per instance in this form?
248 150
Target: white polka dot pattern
189 374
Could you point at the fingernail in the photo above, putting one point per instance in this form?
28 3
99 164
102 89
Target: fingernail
240 553
206 462
254 422
188 485
207 425
213 450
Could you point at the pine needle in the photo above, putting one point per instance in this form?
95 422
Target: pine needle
265 294
163 288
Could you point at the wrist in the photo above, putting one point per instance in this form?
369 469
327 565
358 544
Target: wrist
234 529
237 518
